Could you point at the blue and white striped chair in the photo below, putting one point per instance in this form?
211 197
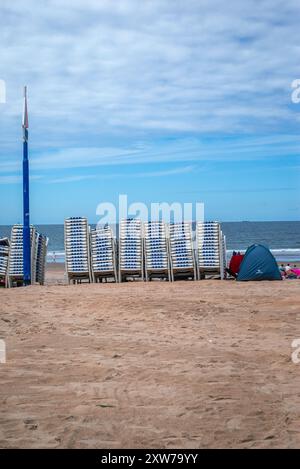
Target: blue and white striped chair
131 249
4 255
77 249
41 256
103 254
156 250
210 249
224 254
181 248
15 261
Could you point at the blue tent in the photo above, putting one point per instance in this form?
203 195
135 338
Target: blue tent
258 264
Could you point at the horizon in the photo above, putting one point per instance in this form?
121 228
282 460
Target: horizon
192 221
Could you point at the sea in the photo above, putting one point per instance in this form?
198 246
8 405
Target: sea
282 237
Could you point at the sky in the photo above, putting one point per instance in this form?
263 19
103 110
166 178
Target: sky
165 101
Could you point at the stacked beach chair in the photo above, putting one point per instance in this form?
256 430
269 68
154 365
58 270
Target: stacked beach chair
131 263
77 249
182 258
144 250
156 252
4 255
224 253
41 255
103 254
211 249
15 261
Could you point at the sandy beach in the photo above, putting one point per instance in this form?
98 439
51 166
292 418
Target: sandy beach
191 364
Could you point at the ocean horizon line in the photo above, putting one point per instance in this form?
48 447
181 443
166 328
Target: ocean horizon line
192 221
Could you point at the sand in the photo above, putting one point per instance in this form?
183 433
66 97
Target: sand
188 365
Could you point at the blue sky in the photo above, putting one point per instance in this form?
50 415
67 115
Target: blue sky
182 101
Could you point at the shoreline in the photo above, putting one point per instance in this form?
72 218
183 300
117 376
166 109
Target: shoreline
281 255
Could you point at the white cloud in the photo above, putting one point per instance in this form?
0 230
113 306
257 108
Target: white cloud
167 172
66 179
184 150
2 92
145 174
156 63
16 179
124 70
170 151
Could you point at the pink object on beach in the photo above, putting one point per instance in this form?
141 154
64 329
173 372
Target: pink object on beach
296 271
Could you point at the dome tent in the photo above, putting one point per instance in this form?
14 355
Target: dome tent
258 264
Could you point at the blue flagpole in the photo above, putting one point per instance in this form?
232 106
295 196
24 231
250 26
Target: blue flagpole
26 218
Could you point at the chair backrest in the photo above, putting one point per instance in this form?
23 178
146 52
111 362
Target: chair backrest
211 247
4 255
77 247
103 252
156 247
181 248
131 247
41 256
15 262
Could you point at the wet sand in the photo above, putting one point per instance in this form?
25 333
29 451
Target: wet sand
191 364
